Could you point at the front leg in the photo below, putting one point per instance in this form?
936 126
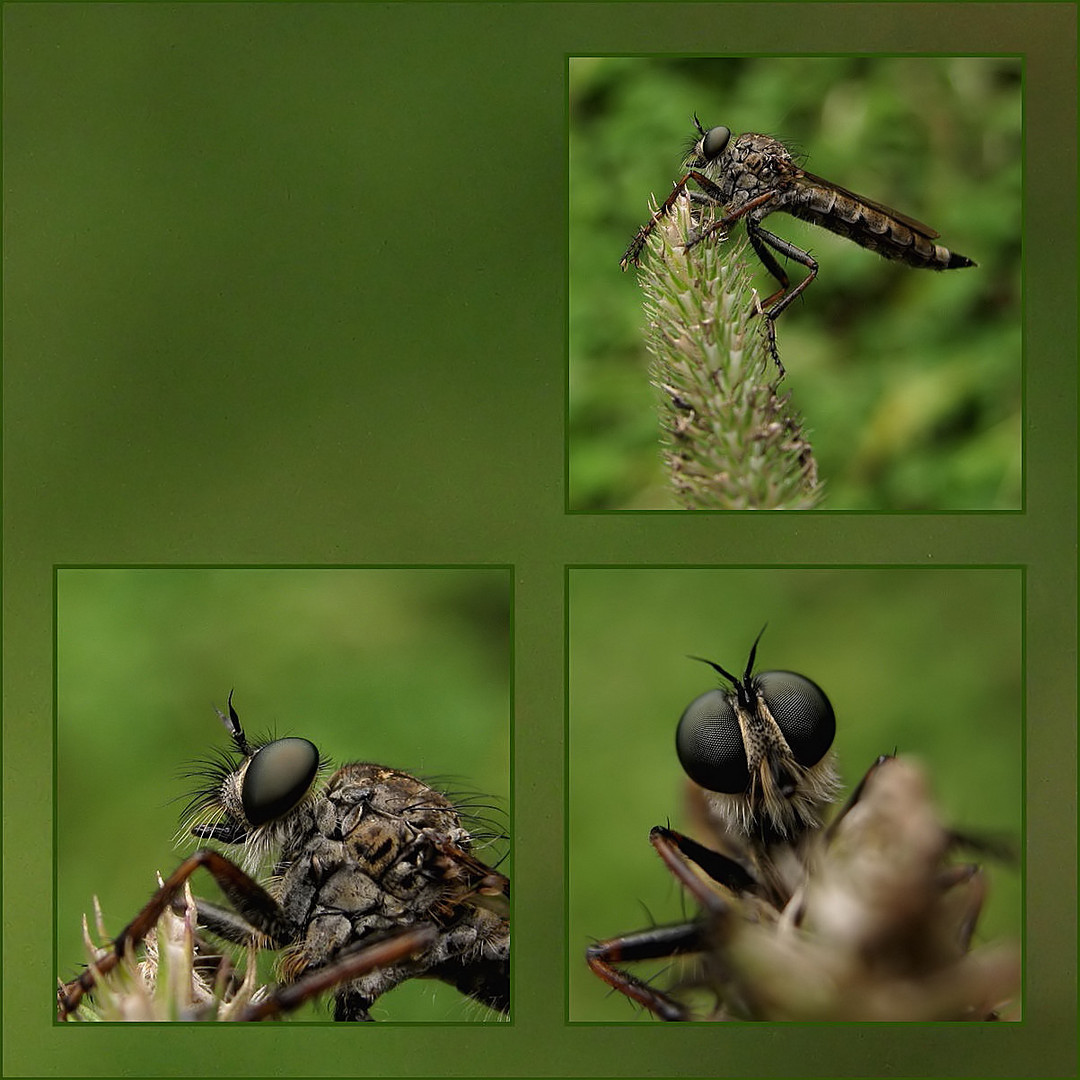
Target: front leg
250 899
656 943
712 193
724 224
726 871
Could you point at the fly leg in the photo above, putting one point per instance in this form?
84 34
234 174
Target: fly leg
655 943
250 899
783 296
348 966
753 211
725 223
678 852
712 194
676 849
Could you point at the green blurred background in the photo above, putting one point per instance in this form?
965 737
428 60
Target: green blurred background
407 668
909 381
927 662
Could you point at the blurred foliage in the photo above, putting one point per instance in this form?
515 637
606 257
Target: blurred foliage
924 662
408 668
910 381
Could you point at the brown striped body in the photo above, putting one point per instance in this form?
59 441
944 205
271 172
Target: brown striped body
754 165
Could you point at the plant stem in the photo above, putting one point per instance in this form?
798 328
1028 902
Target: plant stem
731 441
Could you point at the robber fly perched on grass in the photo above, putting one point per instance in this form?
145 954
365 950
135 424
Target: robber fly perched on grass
373 882
863 919
751 176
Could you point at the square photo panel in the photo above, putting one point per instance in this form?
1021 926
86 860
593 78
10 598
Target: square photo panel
822 299
321 755
795 794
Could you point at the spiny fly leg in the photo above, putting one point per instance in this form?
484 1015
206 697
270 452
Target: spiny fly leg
659 942
712 194
347 967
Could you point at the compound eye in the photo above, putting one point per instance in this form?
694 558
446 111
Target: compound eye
802 712
277 778
710 745
715 142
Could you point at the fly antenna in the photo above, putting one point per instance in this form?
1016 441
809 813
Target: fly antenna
753 653
232 726
733 679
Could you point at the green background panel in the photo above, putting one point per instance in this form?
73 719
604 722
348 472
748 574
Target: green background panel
407 668
925 662
287 284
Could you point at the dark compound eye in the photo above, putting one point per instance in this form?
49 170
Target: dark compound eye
709 744
715 142
277 778
802 712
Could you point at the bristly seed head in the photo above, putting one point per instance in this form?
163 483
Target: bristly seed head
176 978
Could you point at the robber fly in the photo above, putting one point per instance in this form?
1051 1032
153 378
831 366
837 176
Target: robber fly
373 881
751 176
799 920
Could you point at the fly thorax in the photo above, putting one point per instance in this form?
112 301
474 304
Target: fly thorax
374 841
387 824
754 167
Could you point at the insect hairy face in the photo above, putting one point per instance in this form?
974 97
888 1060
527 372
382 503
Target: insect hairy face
761 751
257 800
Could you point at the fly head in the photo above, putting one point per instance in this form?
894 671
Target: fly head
249 800
761 749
